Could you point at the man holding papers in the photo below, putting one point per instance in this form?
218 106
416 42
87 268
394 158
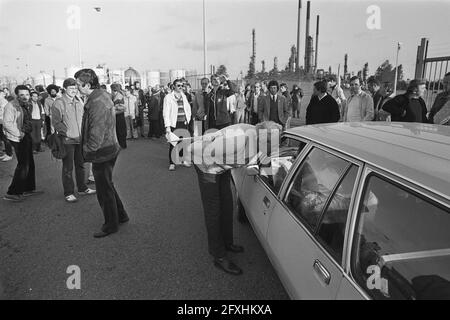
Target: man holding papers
176 114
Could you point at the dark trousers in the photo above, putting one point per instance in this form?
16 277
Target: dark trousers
217 199
121 130
8 146
48 127
253 118
155 129
221 126
74 155
36 134
24 176
141 123
107 196
179 125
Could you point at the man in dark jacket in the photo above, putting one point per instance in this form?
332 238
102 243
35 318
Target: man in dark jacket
217 114
274 107
141 106
322 108
100 146
154 113
409 107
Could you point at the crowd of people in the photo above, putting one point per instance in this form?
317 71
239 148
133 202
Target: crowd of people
94 123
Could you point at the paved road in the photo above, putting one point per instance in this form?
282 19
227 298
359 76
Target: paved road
160 254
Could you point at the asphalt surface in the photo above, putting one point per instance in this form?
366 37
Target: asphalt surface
160 254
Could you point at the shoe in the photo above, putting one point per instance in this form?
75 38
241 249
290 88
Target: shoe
88 191
71 198
32 193
102 234
186 164
172 167
124 220
6 158
234 248
13 197
228 266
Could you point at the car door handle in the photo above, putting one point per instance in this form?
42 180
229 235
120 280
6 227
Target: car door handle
322 272
266 202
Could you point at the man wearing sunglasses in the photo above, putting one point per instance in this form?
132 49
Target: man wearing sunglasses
176 114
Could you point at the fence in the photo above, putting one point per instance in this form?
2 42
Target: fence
432 70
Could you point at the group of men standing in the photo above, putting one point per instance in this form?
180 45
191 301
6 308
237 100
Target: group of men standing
329 104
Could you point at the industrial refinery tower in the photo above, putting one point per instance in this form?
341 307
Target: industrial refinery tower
310 58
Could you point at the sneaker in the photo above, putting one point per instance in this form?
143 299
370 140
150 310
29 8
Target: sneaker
6 158
71 198
88 191
13 197
186 164
172 167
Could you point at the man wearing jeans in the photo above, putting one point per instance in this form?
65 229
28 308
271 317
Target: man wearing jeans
17 128
100 146
67 115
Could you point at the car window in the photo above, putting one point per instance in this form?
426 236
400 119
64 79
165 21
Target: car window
275 168
402 244
313 184
332 226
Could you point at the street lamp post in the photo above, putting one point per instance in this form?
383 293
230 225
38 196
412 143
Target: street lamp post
204 38
396 68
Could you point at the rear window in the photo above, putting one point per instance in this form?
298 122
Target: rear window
401 246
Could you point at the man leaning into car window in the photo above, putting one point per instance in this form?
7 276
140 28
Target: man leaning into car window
214 179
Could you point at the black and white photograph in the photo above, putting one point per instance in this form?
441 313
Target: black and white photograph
224 155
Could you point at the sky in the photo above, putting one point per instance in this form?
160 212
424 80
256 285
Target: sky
163 35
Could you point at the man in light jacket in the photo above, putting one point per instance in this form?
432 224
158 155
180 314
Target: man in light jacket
176 114
100 146
359 106
8 148
17 127
131 109
67 117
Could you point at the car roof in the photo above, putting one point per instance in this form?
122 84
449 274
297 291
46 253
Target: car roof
417 152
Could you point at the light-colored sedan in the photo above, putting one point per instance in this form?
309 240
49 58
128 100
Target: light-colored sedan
355 210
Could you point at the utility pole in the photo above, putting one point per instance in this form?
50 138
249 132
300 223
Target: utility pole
396 69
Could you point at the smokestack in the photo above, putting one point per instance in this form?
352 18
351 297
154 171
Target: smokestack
345 65
297 58
307 60
253 44
317 43
275 64
263 66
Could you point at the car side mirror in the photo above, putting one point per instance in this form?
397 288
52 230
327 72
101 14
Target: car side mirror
252 170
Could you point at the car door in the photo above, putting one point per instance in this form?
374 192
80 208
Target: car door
400 242
259 193
307 229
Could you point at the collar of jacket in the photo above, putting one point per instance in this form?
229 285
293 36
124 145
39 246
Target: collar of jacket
172 95
94 95
67 99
